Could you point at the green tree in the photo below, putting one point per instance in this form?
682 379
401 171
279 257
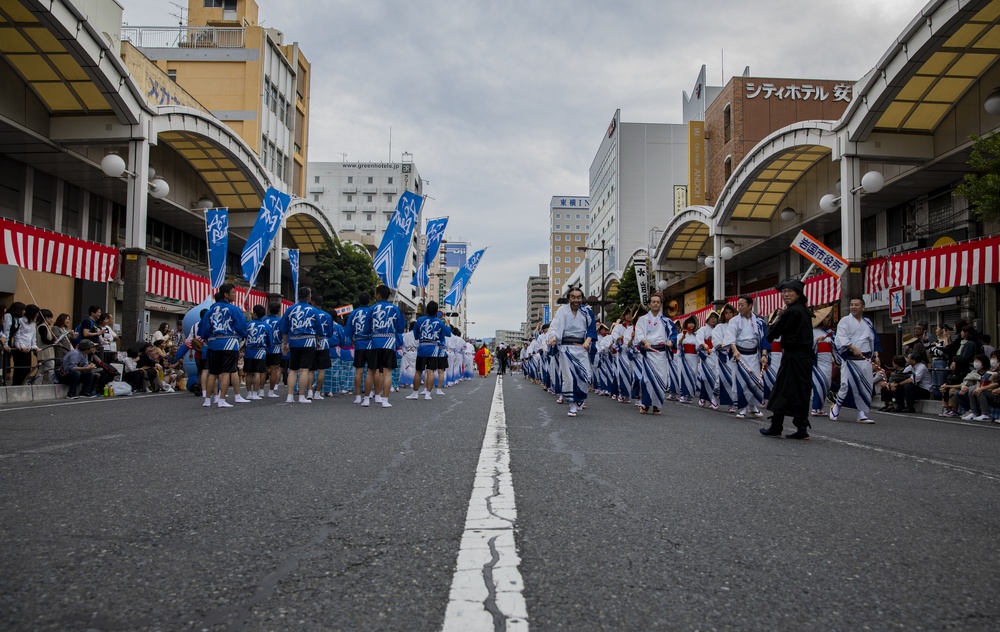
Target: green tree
342 271
626 296
982 187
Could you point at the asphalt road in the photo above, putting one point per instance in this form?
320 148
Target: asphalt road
153 513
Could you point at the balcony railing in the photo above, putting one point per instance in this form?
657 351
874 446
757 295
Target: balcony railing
183 36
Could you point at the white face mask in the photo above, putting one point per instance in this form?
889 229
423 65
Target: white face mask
977 365
994 363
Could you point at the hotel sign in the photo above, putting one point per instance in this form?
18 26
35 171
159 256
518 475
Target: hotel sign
696 162
680 198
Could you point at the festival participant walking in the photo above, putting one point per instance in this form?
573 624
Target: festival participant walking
429 331
687 343
859 346
573 330
324 331
273 358
259 335
747 342
727 382
223 326
822 373
708 373
769 374
793 385
442 356
359 329
387 322
299 327
408 370
655 335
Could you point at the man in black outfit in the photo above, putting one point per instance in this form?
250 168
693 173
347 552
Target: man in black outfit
793 385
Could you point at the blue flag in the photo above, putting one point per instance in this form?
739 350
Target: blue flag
217 232
435 235
462 279
272 211
293 263
396 240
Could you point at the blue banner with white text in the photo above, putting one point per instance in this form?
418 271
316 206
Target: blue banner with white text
272 211
396 240
462 279
435 235
217 234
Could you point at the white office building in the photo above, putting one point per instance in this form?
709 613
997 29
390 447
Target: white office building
359 199
632 193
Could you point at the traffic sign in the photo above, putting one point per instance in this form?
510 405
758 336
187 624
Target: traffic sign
897 303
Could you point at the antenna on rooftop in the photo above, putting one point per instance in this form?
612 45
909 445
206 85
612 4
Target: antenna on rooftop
182 17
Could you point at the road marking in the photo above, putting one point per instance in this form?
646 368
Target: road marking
486 589
921 459
60 446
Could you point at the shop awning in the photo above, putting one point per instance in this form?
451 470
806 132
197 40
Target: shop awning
42 250
170 282
975 262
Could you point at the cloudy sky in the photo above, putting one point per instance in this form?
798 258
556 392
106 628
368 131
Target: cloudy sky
504 104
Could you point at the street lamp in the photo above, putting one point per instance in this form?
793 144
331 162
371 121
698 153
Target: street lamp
602 250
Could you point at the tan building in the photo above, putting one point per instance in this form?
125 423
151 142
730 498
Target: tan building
244 74
569 224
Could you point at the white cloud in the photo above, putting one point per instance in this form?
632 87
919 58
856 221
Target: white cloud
503 104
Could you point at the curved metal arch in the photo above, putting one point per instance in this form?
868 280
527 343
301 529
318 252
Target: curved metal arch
925 35
301 206
179 126
700 214
772 148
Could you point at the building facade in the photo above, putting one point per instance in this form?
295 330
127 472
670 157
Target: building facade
538 296
569 225
632 188
359 198
244 74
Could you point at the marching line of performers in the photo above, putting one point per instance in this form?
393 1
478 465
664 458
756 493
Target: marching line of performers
734 361
371 354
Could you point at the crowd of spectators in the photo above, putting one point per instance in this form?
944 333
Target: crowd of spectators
37 347
961 370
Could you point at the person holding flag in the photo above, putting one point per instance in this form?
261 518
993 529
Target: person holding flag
429 331
299 328
359 330
572 331
259 335
273 358
387 322
323 334
792 390
224 327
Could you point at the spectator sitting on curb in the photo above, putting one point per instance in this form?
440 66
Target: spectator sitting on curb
79 369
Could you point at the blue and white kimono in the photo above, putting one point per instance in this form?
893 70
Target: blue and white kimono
570 330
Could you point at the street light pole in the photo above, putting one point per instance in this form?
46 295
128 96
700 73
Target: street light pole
602 250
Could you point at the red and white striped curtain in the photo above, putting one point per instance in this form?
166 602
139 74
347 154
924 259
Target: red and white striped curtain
966 263
170 282
42 250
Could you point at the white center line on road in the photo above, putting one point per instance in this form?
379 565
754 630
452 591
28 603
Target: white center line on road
486 590
921 459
